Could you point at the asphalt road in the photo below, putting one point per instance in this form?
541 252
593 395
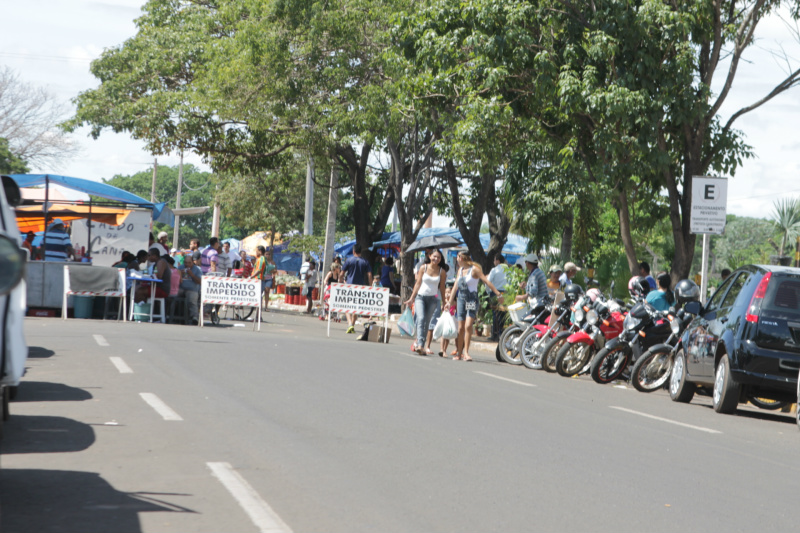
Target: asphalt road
160 428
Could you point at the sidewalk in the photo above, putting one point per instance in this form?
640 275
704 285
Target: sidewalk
478 343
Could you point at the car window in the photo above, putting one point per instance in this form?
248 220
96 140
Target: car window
713 303
736 288
785 297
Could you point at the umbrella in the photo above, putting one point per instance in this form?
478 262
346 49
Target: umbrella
434 241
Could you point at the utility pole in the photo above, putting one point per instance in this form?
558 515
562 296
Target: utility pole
153 187
330 228
308 225
177 229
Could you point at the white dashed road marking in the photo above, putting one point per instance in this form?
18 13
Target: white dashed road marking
506 379
259 511
667 420
160 407
121 365
101 341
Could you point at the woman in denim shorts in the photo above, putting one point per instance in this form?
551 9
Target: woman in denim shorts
466 294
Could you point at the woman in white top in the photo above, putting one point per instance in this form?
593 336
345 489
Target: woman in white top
427 296
466 288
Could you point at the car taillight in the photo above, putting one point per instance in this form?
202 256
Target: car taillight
758 297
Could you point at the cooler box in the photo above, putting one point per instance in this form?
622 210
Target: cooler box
83 306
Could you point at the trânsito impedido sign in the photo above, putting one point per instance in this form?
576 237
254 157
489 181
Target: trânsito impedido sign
709 205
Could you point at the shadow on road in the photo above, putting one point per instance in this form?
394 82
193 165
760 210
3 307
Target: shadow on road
37 352
45 434
48 501
44 391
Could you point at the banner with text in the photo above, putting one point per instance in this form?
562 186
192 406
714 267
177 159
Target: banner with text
231 291
108 242
359 299
709 205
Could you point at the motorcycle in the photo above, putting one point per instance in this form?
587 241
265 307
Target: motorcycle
603 323
643 327
531 345
652 370
524 318
557 339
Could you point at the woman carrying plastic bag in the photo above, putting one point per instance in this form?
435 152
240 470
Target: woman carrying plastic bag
406 323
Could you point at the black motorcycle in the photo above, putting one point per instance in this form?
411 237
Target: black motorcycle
643 328
652 370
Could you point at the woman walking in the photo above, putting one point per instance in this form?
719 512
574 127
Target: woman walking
269 269
428 295
466 291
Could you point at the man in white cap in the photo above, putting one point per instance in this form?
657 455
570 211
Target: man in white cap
536 286
162 243
570 269
56 243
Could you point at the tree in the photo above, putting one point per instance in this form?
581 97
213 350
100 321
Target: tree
29 117
10 163
786 219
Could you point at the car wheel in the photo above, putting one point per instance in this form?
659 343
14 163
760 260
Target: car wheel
680 390
726 388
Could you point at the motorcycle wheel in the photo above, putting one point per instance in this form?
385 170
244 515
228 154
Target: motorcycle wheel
530 350
766 403
571 358
550 350
651 370
505 347
609 364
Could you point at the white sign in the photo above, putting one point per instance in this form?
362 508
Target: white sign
359 299
245 292
709 205
108 242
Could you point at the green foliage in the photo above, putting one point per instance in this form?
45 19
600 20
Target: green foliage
9 163
786 219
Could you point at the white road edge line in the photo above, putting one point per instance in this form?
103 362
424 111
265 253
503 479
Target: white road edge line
160 407
259 511
101 341
121 365
667 420
505 379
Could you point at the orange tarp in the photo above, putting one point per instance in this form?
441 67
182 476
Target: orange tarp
31 217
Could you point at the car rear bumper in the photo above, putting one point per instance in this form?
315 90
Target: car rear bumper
767 369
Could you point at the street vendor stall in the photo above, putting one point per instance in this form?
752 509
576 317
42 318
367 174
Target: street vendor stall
114 207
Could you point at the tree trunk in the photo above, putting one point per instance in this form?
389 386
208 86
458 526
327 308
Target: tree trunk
566 237
471 229
625 232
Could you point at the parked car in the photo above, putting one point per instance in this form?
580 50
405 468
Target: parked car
744 344
13 350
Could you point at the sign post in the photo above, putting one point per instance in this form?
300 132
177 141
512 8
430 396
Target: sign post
709 208
243 292
360 300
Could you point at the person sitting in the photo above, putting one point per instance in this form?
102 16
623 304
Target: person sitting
162 271
662 299
190 287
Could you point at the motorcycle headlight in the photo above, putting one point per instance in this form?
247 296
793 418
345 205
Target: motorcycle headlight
592 317
630 322
580 314
675 326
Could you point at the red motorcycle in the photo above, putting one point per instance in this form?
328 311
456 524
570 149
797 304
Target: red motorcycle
603 322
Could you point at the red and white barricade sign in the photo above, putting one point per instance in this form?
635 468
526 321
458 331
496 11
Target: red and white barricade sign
242 292
359 300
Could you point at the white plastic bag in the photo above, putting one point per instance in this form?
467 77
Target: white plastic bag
446 327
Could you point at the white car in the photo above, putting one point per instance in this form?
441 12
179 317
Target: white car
13 350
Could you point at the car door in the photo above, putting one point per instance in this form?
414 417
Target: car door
699 335
721 321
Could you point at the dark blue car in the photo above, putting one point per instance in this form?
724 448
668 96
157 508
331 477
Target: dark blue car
744 344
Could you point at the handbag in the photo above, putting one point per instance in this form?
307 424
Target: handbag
406 323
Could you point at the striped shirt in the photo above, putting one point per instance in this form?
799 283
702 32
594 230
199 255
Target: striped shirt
57 244
537 283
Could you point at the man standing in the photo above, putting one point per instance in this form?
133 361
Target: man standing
209 257
497 277
194 248
570 270
536 286
644 271
56 243
233 257
28 244
356 271
224 263
190 287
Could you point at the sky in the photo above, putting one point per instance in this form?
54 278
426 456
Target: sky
51 43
